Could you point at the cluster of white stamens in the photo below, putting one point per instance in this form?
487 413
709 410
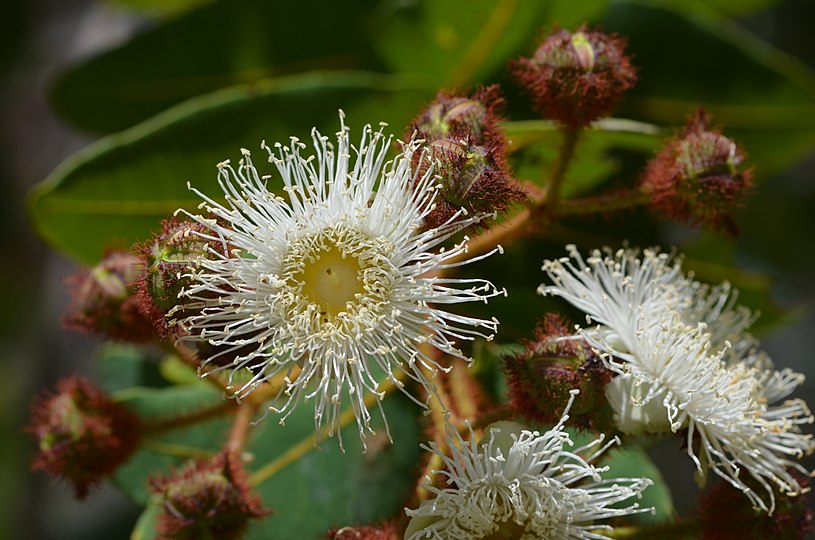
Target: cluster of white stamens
521 484
335 287
685 361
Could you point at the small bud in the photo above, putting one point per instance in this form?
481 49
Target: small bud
576 78
171 257
82 434
725 514
105 302
207 499
382 531
475 118
697 177
541 378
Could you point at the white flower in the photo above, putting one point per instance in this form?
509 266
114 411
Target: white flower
681 347
335 287
521 484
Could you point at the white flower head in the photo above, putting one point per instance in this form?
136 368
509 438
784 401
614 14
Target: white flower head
521 484
335 287
685 361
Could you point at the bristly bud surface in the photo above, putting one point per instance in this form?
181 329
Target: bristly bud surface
541 379
576 77
82 435
105 301
698 176
464 137
170 258
207 499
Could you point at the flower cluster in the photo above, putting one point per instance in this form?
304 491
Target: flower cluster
685 362
334 289
522 484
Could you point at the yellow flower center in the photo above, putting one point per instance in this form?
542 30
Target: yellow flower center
331 279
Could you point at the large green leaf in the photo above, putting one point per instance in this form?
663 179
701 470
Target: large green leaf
454 44
216 45
763 97
116 191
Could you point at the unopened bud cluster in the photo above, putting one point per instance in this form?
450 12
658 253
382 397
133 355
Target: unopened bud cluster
466 143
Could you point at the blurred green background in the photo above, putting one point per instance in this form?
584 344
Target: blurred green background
110 107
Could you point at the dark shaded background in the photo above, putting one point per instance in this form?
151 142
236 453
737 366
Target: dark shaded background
38 39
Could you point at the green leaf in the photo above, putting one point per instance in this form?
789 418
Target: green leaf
632 461
764 98
216 45
121 366
726 7
454 44
117 190
145 528
325 488
536 143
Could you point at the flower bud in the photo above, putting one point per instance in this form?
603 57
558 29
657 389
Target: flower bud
467 149
82 434
541 379
104 299
171 257
576 78
207 499
475 118
697 177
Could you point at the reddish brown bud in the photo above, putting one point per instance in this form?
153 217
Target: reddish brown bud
170 257
468 148
726 514
105 302
207 499
576 78
382 531
475 118
697 178
541 378
82 434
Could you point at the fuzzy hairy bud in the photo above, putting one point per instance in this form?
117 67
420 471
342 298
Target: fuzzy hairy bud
207 499
576 77
105 300
171 256
698 176
541 378
466 143
82 435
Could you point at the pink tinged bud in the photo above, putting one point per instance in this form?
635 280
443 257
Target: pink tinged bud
82 435
105 302
576 78
541 379
698 177
207 499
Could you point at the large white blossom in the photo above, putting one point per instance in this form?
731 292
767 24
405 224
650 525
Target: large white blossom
686 362
334 287
522 484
